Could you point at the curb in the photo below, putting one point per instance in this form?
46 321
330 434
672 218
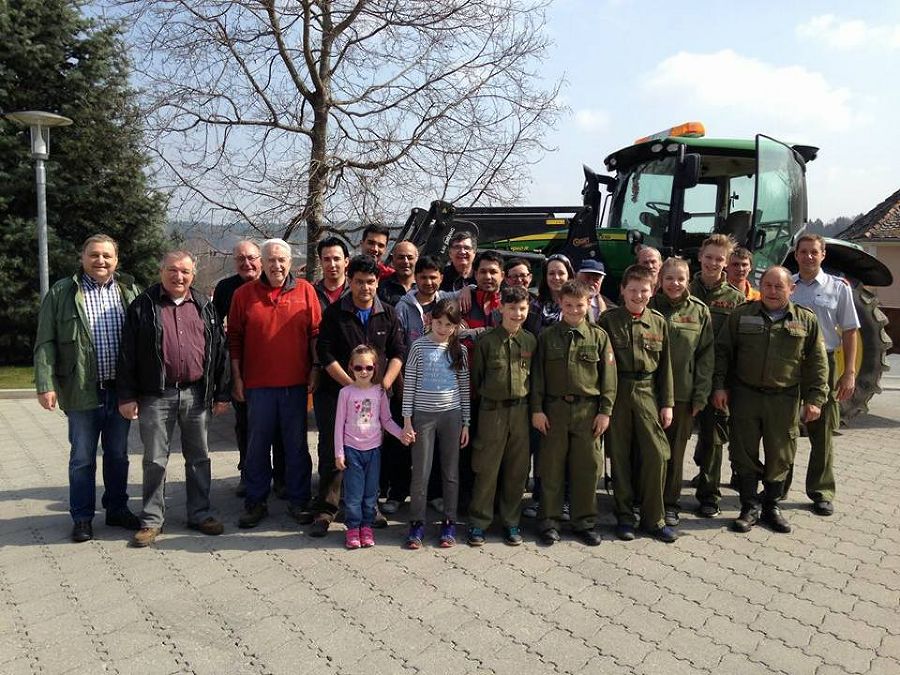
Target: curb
10 394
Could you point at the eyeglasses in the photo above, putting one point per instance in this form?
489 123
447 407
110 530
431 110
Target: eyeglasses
461 248
363 369
246 258
404 256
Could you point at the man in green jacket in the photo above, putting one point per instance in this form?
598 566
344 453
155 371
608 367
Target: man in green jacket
75 352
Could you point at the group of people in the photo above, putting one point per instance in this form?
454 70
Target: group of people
450 385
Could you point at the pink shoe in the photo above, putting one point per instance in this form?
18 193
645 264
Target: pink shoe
366 537
352 538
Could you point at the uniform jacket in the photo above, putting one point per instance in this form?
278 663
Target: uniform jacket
760 353
141 372
641 346
582 366
501 368
691 346
721 299
64 358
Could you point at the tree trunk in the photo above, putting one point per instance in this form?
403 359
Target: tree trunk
314 211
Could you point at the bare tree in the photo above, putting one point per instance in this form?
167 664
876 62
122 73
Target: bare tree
326 112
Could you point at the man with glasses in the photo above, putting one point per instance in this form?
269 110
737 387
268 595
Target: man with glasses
247 265
460 271
517 272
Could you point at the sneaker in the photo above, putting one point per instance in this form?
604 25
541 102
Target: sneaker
366 537
475 536
415 535
665 534
319 527
625 532
351 539
672 518
390 506
512 536
823 508
145 536
253 514
123 518
82 531
772 517
566 513
302 514
448 535
746 520
209 526
708 510
531 510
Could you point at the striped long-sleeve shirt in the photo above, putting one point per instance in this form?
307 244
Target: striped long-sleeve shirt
430 384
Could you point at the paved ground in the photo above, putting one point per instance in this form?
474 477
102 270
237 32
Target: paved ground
823 599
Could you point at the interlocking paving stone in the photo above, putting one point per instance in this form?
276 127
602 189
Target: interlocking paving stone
824 599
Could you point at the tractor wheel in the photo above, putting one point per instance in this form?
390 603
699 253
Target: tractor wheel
872 350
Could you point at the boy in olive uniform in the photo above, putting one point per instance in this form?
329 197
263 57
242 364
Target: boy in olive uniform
711 286
573 389
770 357
692 350
637 443
500 378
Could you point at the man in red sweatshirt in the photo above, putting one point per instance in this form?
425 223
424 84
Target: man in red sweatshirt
272 328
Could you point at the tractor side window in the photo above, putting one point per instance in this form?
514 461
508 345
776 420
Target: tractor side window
645 199
700 207
780 198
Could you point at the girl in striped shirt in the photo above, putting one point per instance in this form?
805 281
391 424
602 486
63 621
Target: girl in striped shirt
436 406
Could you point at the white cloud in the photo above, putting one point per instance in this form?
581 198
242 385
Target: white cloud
848 34
786 98
592 120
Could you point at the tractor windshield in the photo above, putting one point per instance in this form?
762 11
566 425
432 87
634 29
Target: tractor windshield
642 203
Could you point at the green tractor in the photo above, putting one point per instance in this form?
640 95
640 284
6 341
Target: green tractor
671 190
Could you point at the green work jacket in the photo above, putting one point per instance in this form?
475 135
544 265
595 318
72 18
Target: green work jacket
759 353
64 358
582 365
501 364
691 346
641 346
721 299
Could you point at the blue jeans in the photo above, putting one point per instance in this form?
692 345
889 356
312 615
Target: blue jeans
361 486
270 409
86 428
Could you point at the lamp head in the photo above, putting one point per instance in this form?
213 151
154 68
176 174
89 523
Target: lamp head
40 123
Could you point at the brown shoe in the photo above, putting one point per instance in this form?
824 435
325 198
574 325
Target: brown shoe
145 536
209 526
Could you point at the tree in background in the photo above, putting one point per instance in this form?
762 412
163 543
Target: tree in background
55 59
324 112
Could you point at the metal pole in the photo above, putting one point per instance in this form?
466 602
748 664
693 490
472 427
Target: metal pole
40 179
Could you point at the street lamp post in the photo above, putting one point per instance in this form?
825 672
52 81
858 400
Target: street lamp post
40 123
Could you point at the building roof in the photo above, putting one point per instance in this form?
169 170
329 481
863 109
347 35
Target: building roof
882 222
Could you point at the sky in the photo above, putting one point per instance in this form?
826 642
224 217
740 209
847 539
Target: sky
814 73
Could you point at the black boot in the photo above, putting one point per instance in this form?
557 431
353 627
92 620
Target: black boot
749 504
771 513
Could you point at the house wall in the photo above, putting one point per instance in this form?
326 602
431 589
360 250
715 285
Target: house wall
889 296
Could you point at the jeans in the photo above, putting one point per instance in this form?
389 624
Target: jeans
361 486
270 410
86 428
157 418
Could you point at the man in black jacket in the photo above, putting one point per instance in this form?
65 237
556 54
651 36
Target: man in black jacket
358 318
172 368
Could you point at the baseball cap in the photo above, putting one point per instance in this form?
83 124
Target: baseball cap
592 266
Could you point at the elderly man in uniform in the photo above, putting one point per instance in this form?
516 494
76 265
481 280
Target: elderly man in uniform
173 369
832 301
650 258
75 352
770 360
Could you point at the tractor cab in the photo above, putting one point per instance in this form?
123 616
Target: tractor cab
676 187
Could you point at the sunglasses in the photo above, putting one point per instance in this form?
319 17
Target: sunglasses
364 369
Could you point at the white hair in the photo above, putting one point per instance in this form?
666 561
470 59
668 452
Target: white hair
269 243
